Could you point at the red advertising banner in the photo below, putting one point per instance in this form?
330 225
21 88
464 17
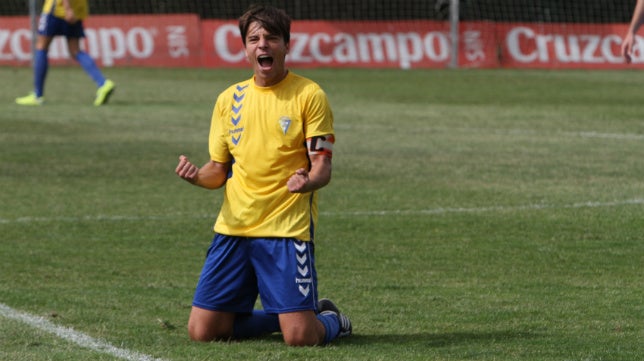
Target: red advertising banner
187 41
144 40
373 44
477 45
579 46
15 41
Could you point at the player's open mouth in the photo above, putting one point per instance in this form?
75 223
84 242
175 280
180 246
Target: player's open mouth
265 61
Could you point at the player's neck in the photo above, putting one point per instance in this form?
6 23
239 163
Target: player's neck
265 82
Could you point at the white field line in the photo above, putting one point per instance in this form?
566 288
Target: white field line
390 212
526 207
113 218
618 136
511 131
579 134
71 335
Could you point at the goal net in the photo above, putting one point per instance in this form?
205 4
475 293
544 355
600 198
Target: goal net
577 11
376 33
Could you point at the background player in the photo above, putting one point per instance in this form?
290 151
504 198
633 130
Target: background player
64 18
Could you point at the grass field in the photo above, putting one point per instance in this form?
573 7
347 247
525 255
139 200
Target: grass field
473 215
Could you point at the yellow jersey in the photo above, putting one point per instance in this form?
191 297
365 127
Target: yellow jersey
56 8
263 132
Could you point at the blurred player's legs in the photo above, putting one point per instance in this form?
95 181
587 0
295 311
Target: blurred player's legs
31 99
48 28
105 86
41 66
104 92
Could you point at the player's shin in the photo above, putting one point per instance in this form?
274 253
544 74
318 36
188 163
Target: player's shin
331 325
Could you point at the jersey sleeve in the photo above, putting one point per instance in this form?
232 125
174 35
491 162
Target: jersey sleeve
319 117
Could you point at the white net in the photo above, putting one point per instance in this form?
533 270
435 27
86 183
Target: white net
356 33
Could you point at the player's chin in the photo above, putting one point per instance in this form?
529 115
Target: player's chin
264 68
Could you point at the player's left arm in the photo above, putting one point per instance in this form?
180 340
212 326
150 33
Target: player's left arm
70 16
320 149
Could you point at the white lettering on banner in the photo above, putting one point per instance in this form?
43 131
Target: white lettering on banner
140 42
344 52
5 35
375 46
426 45
440 52
110 44
177 41
569 48
316 51
606 48
58 48
473 44
220 41
11 44
345 48
106 44
638 50
297 47
410 49
513 44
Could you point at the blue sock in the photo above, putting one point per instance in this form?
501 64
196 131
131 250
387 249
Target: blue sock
41 64
90 67
331 324
256 324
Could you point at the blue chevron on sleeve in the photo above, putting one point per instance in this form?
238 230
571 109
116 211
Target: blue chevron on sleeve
234 120
238 98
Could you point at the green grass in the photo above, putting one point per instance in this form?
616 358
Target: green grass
473 215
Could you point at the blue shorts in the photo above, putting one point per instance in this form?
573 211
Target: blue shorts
238 269
51 26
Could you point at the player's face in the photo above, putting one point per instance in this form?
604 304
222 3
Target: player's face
267 53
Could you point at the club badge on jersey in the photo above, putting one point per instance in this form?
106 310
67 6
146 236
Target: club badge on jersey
321 145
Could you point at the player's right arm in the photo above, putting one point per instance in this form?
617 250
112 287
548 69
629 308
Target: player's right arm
211 175
629 38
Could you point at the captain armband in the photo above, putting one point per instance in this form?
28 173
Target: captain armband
320 145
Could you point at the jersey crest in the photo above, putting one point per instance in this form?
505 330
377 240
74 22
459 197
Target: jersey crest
285 123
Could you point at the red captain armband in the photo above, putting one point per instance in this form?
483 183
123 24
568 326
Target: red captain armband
320 145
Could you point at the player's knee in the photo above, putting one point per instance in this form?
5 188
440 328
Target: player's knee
203 333
205 326
198 334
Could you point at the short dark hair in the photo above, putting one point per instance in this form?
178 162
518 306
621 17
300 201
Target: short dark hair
274 20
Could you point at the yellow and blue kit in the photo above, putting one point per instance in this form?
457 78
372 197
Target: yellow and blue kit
263 132
56 8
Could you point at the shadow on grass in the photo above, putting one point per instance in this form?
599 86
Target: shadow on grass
439 339
425 340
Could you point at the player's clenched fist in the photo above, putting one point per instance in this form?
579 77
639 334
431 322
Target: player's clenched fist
298 181
186 170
